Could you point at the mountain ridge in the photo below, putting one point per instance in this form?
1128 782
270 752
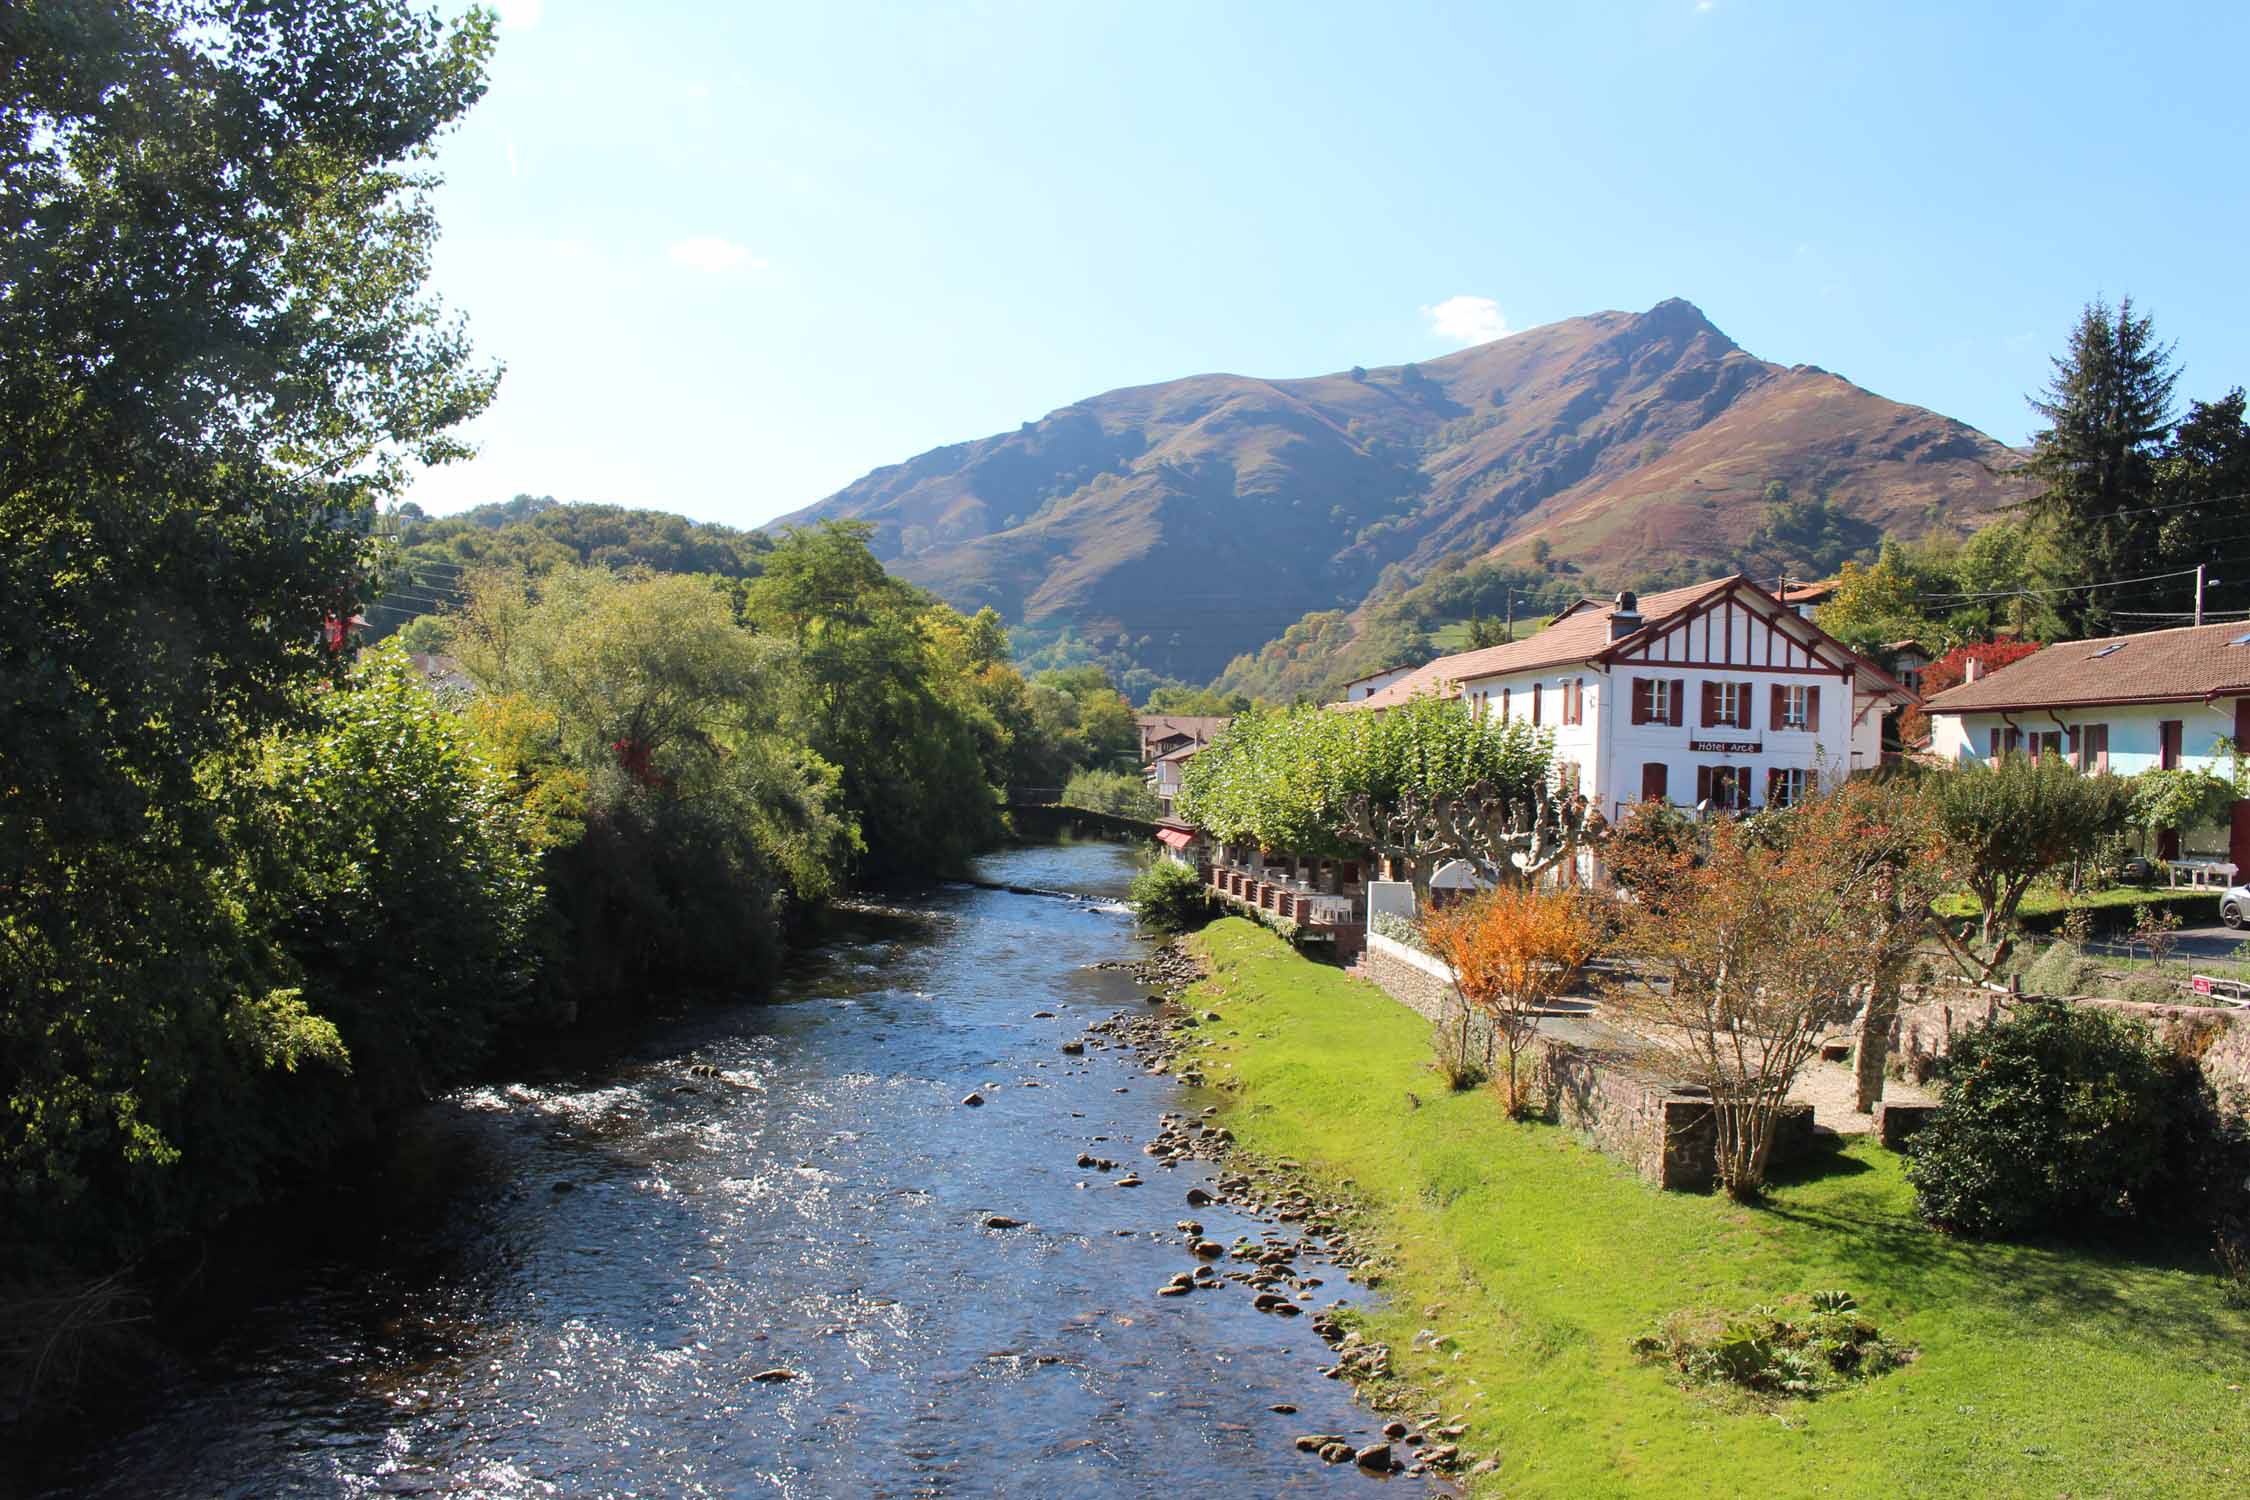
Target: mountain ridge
1182 522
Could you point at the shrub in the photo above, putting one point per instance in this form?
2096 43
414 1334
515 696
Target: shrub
1776 1351
2062 970
1401 929
2057 1117
1168 897
2148 989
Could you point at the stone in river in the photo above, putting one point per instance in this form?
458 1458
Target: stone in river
776 1374
1395 1430
972 1100
1375 1456
1128 1180
1074 1048
1001 1221
1196 1197
1288 1411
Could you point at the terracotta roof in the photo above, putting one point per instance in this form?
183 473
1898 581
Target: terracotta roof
1194 726
1810 593
1181 754
1578 634
2156 666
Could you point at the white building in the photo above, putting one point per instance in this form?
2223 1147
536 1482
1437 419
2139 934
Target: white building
2163 699
1716 693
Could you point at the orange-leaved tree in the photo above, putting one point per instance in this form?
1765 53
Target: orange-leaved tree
1514 951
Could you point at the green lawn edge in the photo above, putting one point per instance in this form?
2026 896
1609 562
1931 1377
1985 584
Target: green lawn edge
2043 1370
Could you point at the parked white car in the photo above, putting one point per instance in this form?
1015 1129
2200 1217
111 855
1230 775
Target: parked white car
2234 906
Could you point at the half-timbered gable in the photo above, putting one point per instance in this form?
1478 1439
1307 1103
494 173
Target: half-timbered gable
1713 694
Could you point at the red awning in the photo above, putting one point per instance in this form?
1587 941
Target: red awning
1177 838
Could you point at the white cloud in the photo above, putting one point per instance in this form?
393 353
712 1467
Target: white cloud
699 91
520 15
515 167
705 252
1467 320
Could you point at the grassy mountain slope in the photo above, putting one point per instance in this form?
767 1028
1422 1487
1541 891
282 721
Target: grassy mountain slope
1189 521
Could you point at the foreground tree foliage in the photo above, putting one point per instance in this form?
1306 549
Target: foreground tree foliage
1769 941
1514 951
215 357
2002 826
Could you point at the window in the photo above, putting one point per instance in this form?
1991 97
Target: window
2168 743
2107 651
1658 700
1726 705
1725 788
1574 701
2092 748
2046 742
1786 788
1796 706
1654 776
1535 693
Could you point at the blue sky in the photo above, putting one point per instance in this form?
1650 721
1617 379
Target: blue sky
736 255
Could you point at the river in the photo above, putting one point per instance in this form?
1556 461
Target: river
618 1250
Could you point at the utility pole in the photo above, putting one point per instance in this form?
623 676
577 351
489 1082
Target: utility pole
2199 567
1510 590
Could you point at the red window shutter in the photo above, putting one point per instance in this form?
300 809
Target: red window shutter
1773 787
1679 701
1742 693
1644 689
2072 746
1505 695
1995 745
1535 695
1812 708
2097 746
1710 705
1702 783
1655 777
1779 706
2168 745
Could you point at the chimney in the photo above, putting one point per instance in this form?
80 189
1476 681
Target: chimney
1625 615
1975 669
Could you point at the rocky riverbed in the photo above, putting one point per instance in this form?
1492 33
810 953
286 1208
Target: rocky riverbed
1310 1230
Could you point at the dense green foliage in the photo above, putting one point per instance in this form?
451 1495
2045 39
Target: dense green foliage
1292 778
217 358
1801 1351
434 558
2064 1119
1168 897
2005 825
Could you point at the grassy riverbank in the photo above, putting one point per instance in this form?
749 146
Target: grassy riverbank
2043 1371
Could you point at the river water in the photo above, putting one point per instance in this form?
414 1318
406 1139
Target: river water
792 1185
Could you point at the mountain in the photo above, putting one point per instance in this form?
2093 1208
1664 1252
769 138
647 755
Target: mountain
1182 523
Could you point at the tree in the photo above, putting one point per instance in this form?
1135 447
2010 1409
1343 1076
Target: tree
1877 603
1952 669
1765 947
1421 784
217 356
2200 483
2002 826
2108 410
1514 951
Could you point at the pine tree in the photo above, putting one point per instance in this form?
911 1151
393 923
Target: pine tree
2109 410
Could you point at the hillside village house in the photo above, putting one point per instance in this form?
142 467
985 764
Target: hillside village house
2166 698
1167 742
1714 694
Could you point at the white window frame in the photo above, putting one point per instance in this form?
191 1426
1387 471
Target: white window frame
1794 782
1660 700
1796 706
1728 704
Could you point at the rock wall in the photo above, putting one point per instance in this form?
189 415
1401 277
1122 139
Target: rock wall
2218 1039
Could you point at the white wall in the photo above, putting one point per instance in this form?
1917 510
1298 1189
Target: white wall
1611 749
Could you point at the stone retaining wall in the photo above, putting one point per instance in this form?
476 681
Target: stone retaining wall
1607 1094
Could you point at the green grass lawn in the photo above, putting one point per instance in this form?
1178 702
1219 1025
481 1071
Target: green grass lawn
2043 905
1454 635
2043 1371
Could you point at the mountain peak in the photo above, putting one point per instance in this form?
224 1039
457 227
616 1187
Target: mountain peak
1184 522
1676 317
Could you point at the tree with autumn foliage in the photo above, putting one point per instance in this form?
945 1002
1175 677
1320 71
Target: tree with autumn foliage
1767 945
1514 951
1952 669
